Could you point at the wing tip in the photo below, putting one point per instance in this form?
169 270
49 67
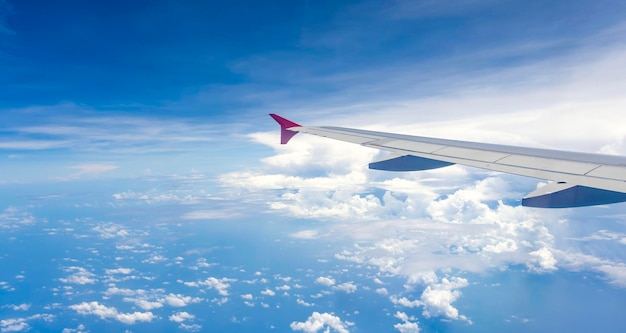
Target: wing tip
285 133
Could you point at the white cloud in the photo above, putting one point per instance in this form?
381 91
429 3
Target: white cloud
382 291
79 276
318 321
105 312
120 270
221 285
437 299
247 297
154 196
95 168
13 218
144 304
211 215
14 325
79 329
178 300
347 287
111 230
19 307
190 327
325 281
305 234
403 301
543 260
303 302
406 326
180 317
268 292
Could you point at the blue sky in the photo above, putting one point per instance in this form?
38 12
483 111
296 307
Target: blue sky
71 70
136 151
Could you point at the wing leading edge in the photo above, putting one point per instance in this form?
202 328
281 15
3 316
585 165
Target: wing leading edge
579 179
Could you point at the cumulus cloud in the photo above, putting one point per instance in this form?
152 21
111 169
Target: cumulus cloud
325 281
105 312
180 317
18 307
268 292
144 304
13 218
382 291
403 301
111 230
14 325
406 326
318 321
221 285
347 287
303 302
178 300
79 276
542 260
120 270
437 299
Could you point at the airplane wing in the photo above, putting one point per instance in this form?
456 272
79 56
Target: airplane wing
579 179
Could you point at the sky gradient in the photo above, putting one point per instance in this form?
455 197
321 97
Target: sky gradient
144 187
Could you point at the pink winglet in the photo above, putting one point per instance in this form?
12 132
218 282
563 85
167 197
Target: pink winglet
285 134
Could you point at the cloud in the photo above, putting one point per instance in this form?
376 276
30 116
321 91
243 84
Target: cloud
211 215
347 287
268 292
111 230
79 276
284 287
95 168
105 312
13 218
144 304
153 196
382 291
178 300
406 326
19 307
119 270
325 281
543 260
437 299
318 321
180 317
76 128
403 301
14 325
221 285
305 234
303 303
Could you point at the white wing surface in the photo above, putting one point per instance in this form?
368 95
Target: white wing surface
579 179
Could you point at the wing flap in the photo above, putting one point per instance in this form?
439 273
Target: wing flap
471 154
609 171
548 164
